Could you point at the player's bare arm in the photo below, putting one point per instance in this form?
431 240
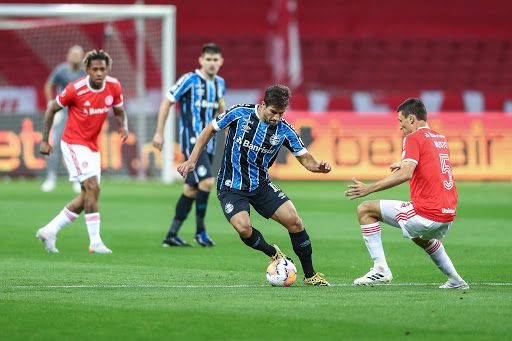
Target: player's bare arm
313 165
122 122
45 147
359 189
163 112
203 139
395 166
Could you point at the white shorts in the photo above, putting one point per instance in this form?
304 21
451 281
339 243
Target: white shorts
81 162
401 214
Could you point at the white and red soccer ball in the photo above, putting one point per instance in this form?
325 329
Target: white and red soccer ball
282 272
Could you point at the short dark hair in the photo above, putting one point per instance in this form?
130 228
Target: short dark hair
97 55
413 106
211 48
278 96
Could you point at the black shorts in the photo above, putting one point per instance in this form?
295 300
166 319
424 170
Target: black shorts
266 199
203 170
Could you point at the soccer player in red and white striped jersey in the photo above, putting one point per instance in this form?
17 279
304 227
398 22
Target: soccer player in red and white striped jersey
428 216
89 100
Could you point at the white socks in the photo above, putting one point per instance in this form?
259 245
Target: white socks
372 238
438 254
93 227
373 241
62 219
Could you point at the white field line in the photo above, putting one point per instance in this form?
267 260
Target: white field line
163 286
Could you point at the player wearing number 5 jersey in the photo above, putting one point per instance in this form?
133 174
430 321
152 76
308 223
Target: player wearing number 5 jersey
429 215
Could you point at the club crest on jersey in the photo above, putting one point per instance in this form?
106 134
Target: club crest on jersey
201 171
228 208
227 183
274 139
109 100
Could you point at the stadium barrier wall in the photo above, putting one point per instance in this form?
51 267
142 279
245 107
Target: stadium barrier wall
356 144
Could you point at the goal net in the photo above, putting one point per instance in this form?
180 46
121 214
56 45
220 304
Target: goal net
34 39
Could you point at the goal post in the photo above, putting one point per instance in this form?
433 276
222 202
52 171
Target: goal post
19 15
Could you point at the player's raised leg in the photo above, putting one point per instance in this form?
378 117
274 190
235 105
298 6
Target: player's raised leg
287 216
251 237
369 216
435 249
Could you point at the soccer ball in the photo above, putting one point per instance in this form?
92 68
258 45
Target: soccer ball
282 272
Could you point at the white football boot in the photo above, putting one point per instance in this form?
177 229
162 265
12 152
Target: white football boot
48 240
375 276
455 284
99 248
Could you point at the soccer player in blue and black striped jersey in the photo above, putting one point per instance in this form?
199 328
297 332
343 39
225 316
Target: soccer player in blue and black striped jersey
255 135
201 96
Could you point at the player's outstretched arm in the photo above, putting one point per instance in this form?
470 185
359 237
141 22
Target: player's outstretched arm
395 166
163 112
203 139
359 189
313 165
122 122
45 148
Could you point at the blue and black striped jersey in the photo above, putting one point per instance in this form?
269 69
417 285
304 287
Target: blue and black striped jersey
251 147
199 102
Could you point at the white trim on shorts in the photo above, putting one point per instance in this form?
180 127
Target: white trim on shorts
82 163
402 214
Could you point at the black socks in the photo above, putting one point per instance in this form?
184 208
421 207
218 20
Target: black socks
201 205
182 209
302 248
257 242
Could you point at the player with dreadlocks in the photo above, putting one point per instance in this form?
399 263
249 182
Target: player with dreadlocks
89 100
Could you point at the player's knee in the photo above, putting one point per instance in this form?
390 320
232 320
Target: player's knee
365 209
422 242
294 224
190 192
362 208
242 226
91 186
243 230
206 184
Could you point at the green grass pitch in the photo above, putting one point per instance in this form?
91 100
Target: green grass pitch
143 291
